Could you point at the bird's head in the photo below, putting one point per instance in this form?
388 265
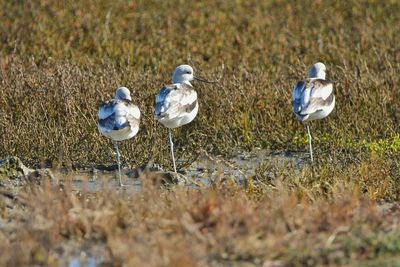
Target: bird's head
317 71
183 73
123 93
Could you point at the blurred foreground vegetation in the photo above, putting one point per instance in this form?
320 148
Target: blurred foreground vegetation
217 226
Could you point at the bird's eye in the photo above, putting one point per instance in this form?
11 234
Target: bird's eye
188 72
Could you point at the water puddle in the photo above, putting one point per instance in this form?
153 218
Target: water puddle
77 262
200 173
241 166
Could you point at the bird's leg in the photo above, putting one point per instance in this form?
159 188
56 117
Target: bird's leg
309 141
119 164
172 148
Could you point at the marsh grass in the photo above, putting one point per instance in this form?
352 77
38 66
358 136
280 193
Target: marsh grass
60 60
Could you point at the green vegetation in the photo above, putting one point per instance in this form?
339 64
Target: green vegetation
60 59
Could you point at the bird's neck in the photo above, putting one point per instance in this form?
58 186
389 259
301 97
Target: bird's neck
183 82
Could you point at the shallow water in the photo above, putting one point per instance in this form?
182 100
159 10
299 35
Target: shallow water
104 180
77 262
241 166
200 173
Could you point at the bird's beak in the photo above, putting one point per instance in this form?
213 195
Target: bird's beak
203 80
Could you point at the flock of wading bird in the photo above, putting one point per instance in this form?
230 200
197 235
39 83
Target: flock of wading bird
177 105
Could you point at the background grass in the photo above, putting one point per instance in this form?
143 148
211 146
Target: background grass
59 60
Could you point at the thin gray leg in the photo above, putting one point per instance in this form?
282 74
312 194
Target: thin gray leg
309 141
119 164
172 148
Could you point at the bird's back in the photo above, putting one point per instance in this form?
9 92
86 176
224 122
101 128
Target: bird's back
118 119
176 105
313 99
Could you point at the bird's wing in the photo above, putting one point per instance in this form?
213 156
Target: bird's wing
298 96
132 114
321 88
106 109
321 96
173 100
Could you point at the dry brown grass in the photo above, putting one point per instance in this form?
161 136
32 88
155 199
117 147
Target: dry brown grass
221 226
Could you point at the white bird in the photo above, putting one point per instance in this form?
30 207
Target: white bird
177 104
119 120
313 99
